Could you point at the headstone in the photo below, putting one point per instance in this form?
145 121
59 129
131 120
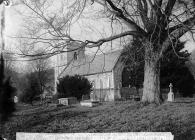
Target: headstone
15 99
85 97
90 100
93 96
170 94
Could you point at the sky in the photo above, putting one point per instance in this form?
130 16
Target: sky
14 24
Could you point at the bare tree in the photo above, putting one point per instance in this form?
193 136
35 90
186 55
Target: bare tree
9 63
157 23
40 68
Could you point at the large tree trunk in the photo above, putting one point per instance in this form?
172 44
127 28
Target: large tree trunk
151 89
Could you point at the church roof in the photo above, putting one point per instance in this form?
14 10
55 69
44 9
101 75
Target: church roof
94 64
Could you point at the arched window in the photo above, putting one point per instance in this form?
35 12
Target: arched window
75 55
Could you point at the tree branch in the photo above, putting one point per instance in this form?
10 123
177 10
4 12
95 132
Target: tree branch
177 32
143 10
189 23
101 41
169 8
119 14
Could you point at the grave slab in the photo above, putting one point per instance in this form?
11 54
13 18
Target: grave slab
67 101
96 136
89 103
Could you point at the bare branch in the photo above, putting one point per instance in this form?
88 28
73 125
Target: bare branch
169 8
177 32
119 14
101 41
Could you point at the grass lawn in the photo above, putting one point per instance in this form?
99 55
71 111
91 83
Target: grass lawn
119 116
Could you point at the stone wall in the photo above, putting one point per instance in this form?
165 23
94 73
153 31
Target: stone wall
104 89
102 80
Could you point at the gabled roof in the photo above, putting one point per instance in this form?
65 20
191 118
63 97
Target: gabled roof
93 64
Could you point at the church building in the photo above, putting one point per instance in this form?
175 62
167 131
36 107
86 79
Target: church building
103 70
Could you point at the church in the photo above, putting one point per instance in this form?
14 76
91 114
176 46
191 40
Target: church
103 70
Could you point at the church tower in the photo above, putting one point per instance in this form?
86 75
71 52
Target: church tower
75 52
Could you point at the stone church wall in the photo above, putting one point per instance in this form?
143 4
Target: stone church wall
104 89
102 80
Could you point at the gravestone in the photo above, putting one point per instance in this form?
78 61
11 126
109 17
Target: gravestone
15 99
90 102
67 101
170 94
85 97
93 96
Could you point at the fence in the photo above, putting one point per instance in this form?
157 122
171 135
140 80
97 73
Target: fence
107 94
131 93
124 93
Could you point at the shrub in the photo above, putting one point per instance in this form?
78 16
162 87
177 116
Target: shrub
73 86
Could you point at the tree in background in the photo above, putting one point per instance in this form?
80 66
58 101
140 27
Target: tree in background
32 91
73 86
7 105
40 69
10 70
40 77
174 70
133 73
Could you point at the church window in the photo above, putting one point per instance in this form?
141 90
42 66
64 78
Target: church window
75 55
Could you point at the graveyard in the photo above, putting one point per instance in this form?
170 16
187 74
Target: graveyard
177 117
97 66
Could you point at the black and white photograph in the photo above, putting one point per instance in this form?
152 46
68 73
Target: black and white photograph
97 69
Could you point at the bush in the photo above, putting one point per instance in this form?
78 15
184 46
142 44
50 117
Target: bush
73 86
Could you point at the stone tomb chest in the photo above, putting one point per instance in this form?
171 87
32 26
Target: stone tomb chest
67 101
